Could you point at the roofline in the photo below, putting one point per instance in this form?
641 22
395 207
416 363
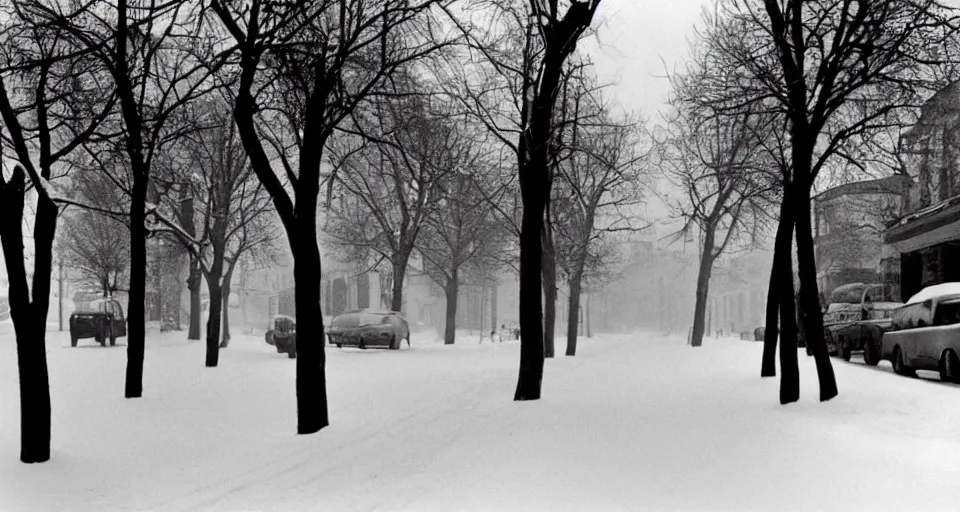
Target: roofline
894 184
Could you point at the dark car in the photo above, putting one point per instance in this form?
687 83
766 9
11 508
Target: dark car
856 318
101 319
369 328
282 334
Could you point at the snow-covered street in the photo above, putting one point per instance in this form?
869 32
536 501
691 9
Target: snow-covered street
638 422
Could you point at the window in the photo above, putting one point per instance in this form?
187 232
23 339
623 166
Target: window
948 313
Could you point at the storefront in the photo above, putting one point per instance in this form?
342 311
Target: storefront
929 244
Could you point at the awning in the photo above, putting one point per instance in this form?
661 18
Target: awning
930 226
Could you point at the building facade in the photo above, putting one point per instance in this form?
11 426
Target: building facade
927 236
738 293
849 221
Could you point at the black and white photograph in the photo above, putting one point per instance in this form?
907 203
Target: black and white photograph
479 255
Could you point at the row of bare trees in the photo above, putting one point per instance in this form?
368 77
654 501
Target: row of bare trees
129 94
776 92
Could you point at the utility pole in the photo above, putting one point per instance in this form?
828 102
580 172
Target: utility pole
587 315
483 300
660 292
60 295
493 307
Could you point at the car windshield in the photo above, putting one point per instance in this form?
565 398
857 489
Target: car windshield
96 306
853 293
283 322
358 320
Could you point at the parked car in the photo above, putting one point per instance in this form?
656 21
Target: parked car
856 318
925 334
101 319
369 328
282 334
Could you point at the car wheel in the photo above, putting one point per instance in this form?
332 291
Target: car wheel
871 354
898 365
844 351
950 367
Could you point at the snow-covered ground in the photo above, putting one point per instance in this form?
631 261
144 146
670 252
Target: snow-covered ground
638 422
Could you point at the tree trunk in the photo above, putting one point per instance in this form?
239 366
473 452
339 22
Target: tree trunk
548 268
227 278
29 319
586 316
573 314
215 289
531 308
299 218
136 329
450 324
312 413
133 122
194 284
783 261
59 295
179 295
703 286
535 183
225 337
158 286
399 271
771 330
193 279
769 365
810 296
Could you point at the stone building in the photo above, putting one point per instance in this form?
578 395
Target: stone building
927 236
738 293
848 233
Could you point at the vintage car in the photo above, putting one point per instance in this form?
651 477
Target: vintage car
282 334
856 318
365 328
925 334
100 319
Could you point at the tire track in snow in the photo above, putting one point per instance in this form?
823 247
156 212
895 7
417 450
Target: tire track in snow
275 476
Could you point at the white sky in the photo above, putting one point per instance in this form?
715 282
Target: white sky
636 40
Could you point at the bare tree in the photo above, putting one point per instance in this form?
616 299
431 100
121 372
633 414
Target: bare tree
598 185
834 70
724 170
464 233
543 38
227 202
396 170
54 105
157 64
88 242
302 67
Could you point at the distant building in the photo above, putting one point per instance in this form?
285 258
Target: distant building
927 236
738 293
848 233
